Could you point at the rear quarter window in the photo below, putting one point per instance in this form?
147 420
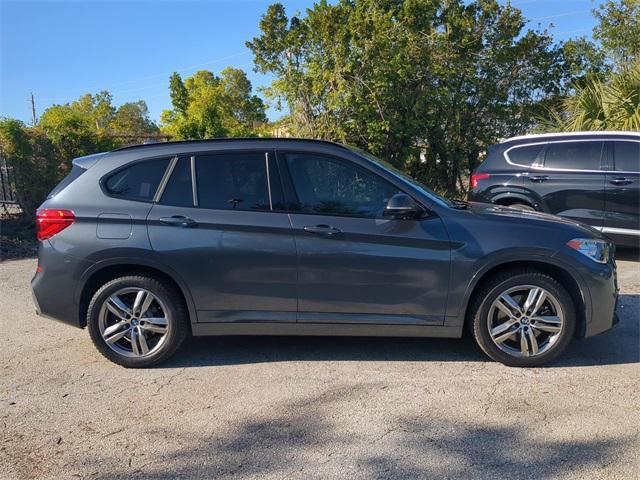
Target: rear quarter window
138 181
526 156
73 175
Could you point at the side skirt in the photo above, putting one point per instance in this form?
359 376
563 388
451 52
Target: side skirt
324 329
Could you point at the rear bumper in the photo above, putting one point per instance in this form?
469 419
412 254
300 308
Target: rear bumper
54 285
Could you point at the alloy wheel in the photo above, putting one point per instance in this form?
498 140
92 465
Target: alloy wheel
133 322
525 321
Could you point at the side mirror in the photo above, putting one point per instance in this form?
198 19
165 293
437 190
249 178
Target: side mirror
402 207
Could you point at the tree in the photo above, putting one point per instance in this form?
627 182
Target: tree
35 168
439 78
132 118
618 30
206 106
611 104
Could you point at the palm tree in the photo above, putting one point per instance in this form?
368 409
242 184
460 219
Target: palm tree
601 104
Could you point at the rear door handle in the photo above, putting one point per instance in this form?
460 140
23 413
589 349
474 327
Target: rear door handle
326 230
620 181
178 221
539 178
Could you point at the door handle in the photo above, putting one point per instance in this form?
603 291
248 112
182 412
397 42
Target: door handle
539 178
620 181
326 230
178 221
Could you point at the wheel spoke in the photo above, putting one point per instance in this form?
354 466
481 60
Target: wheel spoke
507 305
503 327
533 341
539 302
138 302
547 324
524 346
146 304
118 307
115 332
536 296
134 342
143 342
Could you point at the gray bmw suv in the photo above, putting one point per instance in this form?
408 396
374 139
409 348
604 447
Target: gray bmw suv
148 244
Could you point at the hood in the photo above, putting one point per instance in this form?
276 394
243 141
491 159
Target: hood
528 216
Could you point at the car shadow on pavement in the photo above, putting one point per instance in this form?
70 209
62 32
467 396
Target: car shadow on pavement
617 346
628 254
299 438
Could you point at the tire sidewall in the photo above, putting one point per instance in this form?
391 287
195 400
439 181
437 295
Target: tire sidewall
162 293
481 331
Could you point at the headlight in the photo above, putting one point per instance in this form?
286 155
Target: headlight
596 250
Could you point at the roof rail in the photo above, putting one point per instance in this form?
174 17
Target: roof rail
566 134
227 139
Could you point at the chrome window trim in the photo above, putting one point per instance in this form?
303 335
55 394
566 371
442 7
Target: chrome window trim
619 231
165 179
571 134
194 186
602 170
266 164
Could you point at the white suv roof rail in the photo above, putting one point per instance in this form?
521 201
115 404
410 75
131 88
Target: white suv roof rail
569 134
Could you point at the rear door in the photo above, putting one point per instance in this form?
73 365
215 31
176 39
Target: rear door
623 189
571 182
217 225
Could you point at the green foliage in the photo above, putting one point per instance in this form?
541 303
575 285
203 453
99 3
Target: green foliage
618 30
30 155
445 78
611 104
207 106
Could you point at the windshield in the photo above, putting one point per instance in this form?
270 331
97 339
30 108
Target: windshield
399 173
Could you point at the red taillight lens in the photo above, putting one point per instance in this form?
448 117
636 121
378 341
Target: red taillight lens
51 221
473 181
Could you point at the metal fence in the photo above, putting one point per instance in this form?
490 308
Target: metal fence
7 186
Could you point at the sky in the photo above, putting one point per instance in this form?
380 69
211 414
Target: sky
61 50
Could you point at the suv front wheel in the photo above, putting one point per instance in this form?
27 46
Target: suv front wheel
523 318
137 321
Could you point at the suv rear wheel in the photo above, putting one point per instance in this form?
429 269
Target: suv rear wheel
137 321
523 318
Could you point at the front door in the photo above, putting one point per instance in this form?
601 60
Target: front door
226 239
623 190
355 266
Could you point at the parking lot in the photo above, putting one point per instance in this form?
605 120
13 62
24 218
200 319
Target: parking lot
314 407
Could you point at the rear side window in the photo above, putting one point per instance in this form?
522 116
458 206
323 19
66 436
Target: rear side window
66 181
526 156
138 181
178 191
233 181
574 155
627 156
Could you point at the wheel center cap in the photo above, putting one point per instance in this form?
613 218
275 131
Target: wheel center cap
134 321
524 320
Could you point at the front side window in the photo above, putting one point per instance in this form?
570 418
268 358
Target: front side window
178 191
138 181
326 185
574 155
233 181
627 156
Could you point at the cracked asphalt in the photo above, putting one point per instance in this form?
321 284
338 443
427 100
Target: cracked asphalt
314 408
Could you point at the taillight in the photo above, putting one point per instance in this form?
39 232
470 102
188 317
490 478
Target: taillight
51 221
473 181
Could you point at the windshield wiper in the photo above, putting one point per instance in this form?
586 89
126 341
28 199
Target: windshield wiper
460 204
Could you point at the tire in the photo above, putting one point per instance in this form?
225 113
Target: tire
142 330
552 326
523 206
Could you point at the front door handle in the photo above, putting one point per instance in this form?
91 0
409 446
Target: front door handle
326 230
620 181
178 221
539 178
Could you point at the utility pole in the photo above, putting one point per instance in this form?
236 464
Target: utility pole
34 119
